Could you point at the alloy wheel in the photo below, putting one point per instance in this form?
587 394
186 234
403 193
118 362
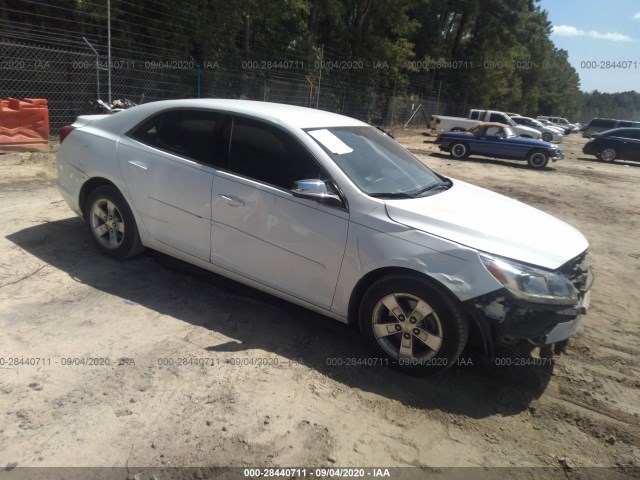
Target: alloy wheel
107 224
407 327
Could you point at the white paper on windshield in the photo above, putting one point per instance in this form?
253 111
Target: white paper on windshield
331 142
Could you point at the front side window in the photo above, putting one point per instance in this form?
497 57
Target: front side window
267 154
374 162
627 133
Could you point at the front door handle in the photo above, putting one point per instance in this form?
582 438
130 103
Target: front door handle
231 200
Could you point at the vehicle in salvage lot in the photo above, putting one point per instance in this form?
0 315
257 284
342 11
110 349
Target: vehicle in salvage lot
498 140
599 125
442 123
329 213
616 144
548 134
547 123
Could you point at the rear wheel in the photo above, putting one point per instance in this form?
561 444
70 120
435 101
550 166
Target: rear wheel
608 154
538 159
459 150
414 325
111 223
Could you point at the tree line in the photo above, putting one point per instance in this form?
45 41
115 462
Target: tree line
484 53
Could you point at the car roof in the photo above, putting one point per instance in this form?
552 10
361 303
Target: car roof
287 115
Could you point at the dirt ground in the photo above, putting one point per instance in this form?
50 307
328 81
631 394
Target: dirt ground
268 394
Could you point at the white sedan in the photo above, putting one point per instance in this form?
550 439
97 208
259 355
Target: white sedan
332 214
549 133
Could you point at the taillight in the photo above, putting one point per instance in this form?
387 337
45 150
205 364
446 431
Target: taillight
64 131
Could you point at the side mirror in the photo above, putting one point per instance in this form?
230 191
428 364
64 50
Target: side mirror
314 189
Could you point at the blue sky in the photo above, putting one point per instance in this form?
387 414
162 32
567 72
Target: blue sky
597 31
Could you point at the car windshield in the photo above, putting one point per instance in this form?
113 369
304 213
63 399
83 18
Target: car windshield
375 163
509 132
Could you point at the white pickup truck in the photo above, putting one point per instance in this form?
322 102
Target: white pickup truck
441 123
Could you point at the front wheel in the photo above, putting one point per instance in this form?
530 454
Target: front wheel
412 324
459 151
608 154
538 159
547 137
111 223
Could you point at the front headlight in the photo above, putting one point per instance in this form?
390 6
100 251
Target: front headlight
531 284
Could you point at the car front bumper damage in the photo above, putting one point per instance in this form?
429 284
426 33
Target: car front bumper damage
507 321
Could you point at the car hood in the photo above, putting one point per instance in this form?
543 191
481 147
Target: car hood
493 223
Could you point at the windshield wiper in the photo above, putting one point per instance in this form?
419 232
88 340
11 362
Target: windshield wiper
446 183
391 195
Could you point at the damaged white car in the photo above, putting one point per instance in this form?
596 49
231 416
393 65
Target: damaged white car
329 213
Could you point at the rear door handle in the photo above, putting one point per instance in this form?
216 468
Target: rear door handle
139 164
231 200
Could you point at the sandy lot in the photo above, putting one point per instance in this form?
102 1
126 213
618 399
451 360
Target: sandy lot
264 392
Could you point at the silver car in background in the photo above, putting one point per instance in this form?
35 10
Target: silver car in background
549 134
329 213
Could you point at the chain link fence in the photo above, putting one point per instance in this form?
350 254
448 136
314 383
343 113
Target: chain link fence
71 81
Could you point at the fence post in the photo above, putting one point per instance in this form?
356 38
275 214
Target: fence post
320 75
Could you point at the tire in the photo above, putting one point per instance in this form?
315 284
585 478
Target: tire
608 154
459 150
458 129
119 240
432 343
538 159
547 137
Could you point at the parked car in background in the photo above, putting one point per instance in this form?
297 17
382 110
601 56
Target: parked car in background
616 144
329 213
561 122
498 140
441 123
548 134
547 123
597 125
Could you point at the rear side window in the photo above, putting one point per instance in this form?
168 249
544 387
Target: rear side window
267 154
474 115
189 133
